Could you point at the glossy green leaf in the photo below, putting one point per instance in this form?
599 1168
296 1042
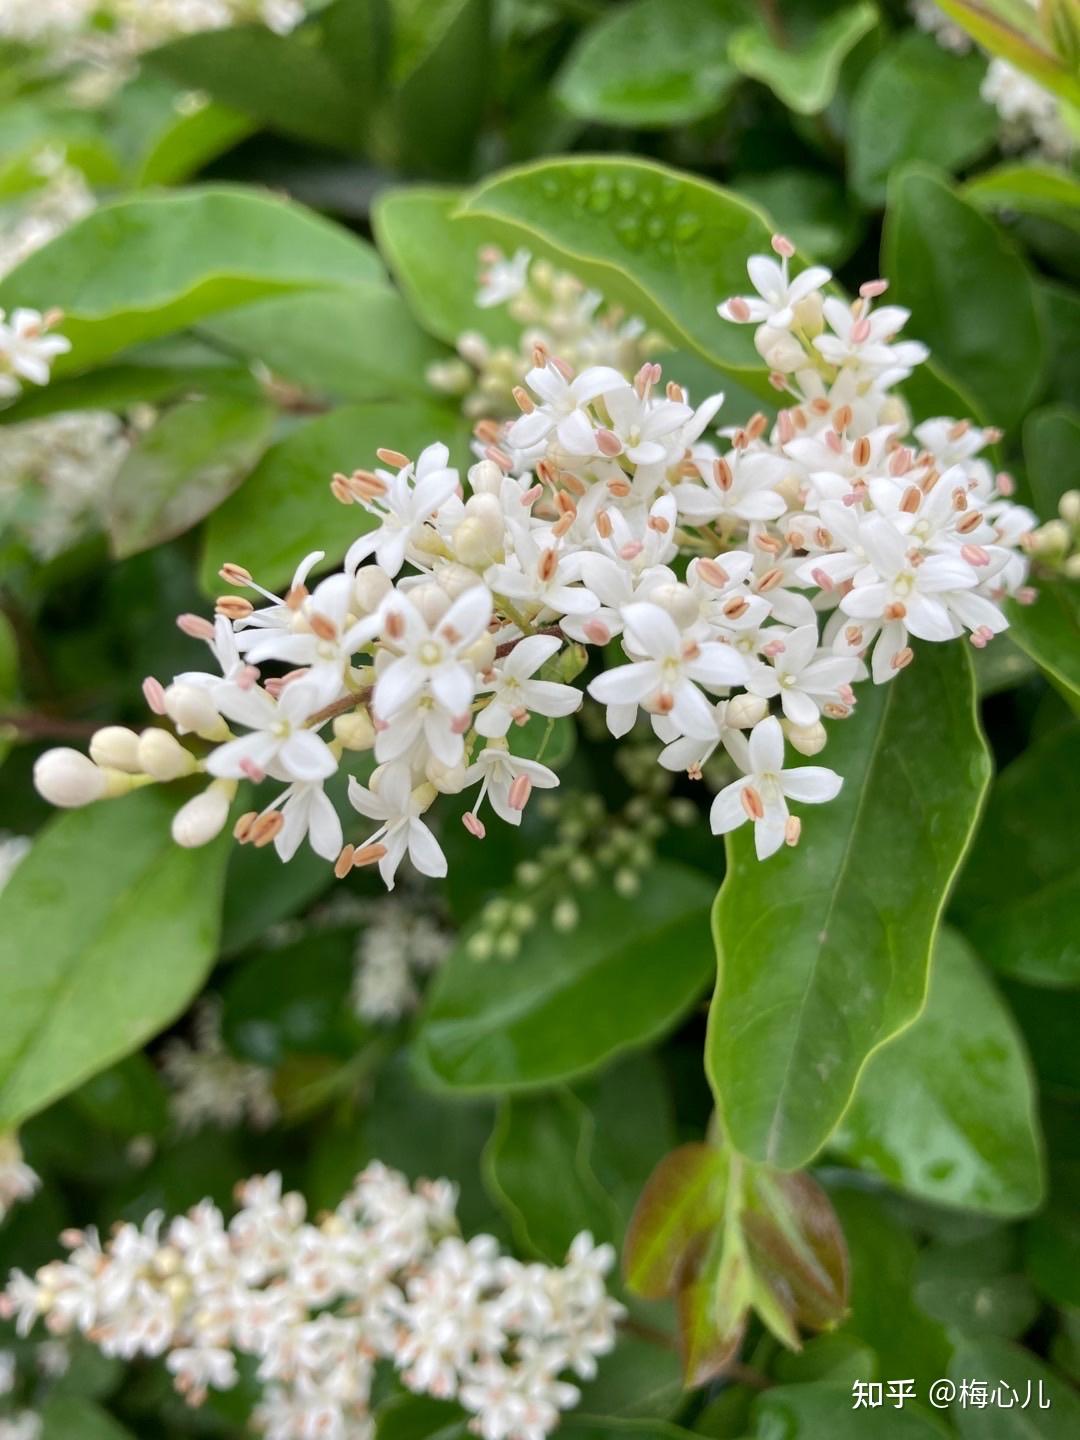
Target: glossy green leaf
434 255
911 79
121 925
947 1110
1052 456
1013 30
945 259
823 949
807 1412
285 509
152 265
624 977
192 459
1029 189
998 1362
282 81
803 76
1049 630
810 207
418 1417
182 148
651 64
1019 893
65 1417
440 77
668 246
357 344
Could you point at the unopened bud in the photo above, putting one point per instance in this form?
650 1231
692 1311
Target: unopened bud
431 600
744 711
486 478
355 730
679 602
203 818
809 316
806 739
478 540
192 711
371 587
1069 507
117 748
162 756
68 778
1051 539
481 652
447 779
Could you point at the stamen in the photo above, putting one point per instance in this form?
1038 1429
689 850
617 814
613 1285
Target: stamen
903 658
233 607
713 573
473 825
195 626
392 457
520 791
344 863
242 828
235 574
752 803
792 830
367 855
738 309
154 694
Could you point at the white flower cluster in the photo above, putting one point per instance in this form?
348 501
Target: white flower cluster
384 1276
18 1181
209 1085
398 943
130 26
44 212
1032 116
557 313
816 549
28 349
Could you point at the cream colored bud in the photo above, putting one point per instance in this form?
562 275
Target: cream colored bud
473 347
447 779
806 739
191 710
779 349
456 579
424 796
478 539
355 730
744 711
895 412
679 602
203 817
116 748
162 756
1072 567
69 778
1069 507
431 600
451 377
790 488
486 478
1051 539
481 652
809 317
371 587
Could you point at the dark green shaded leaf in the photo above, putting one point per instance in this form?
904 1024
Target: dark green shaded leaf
823 949
807 1412
998 1362
1049 630
804 76
977 1286
1052 456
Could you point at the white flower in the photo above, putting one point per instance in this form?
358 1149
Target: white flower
278 735
666 682
502 279
649 431
431 663
543 578
741 484
18 1181
404 505
777 294
507 781
762 793
327 645
517 695
27 350
865 339
562 411
399 807
800 675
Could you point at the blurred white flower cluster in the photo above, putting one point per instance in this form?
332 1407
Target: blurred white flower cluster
318 1304
398 944
209 1086
1032 116
818 546
112 31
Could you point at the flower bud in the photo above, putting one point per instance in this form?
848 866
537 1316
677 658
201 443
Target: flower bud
431 600
355 730
203 817
68 778
456 579
481 652
447 779
117 748
679 602
486 478
162 756
1072 567
478 539
451 377
806 739
191 709
473 347
371 587
1051 539
744 711
779 349
1069 507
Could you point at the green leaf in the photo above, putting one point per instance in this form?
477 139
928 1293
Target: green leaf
357 344
1029 189
195 456
282 81
1012 29
668 246
9 679
998 1362
910 80
972 298
651 65
947 1109
835 1357
803 77
1052 456
434 255
440 73
977 1285
285 509
152 265
683 1200
65 1417
807 1412
163 137
1049 630
624 977
107 929
1019 893
810 207
417 1417
823 949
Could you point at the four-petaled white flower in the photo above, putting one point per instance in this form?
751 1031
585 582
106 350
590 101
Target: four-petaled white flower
777 293
407 501
562 408
507 779
399 807
803 678
517 695
762 793
278 735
